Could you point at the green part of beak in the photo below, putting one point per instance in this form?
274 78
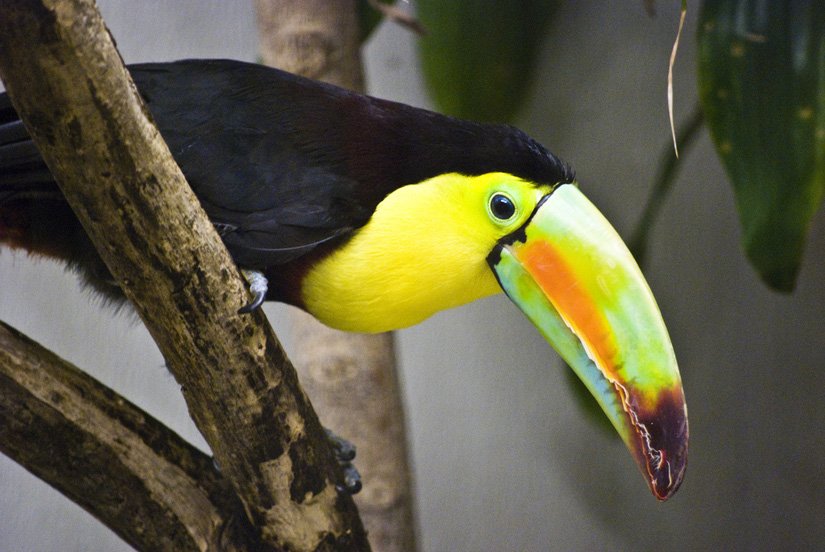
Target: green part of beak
572 276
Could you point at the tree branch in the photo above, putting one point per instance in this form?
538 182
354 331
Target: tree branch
69 86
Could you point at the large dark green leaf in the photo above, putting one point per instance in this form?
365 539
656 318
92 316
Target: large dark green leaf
762 87
478 55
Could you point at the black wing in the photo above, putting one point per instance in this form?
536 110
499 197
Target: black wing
240 134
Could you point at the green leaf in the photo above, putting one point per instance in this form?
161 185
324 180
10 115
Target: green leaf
762 88
478 55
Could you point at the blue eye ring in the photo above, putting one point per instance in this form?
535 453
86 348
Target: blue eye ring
502 207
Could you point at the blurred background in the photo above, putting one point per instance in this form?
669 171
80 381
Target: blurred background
504 456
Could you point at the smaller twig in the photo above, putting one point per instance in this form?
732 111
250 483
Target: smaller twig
399 16
668 165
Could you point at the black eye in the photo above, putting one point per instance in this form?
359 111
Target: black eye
502 207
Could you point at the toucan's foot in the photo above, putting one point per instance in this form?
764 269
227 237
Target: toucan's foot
344 450
258 285
352 480
345 454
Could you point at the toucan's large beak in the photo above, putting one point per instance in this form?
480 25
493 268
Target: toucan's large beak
574 278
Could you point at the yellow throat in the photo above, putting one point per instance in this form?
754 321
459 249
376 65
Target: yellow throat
424 250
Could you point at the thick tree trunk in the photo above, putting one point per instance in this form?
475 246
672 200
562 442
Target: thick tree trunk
351 379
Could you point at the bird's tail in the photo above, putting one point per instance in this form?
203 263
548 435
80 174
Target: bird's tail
22 170
34 215
28 192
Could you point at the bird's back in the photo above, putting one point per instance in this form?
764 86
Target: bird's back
284 166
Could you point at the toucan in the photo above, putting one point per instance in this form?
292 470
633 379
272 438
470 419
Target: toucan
373 215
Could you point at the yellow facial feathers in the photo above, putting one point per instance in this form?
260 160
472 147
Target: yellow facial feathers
424 250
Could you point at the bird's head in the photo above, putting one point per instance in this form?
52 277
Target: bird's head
455 238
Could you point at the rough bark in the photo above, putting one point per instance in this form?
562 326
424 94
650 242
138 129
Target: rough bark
68 83
351 379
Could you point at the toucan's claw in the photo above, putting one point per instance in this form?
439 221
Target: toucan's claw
344 455
352 480
258 285
344 450
255 304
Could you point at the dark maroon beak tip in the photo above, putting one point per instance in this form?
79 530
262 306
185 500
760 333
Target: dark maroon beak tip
665 444
667 479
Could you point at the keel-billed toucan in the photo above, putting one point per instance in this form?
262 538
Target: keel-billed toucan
373 215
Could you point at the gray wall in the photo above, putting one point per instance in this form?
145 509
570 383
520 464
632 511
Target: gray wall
504 458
